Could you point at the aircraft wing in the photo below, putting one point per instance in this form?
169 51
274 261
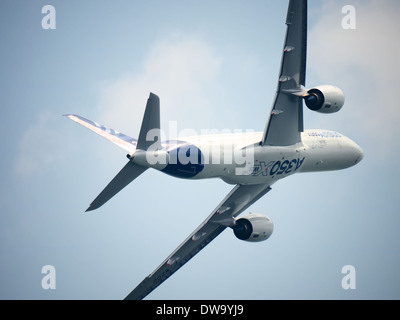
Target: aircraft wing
285 124
238 200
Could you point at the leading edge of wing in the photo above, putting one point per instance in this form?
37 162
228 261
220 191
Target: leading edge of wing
238 200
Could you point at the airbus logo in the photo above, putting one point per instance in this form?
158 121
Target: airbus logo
277 167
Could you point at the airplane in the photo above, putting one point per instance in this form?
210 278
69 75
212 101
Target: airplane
251 161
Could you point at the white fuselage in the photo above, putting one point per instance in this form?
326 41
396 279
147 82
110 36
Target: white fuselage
238 158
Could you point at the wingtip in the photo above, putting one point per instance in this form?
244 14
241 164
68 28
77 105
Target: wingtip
154 96
92 207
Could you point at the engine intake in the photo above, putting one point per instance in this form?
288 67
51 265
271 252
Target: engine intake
253 228
325 99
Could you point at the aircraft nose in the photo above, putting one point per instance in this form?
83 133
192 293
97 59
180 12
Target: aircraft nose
358 153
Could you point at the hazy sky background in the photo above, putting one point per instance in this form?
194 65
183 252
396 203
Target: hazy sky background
214 65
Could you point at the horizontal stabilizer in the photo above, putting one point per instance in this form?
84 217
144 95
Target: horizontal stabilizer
128 173
118 138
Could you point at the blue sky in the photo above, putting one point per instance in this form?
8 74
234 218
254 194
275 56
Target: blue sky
214 65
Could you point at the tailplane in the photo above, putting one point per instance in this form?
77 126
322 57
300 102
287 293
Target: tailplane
149 136
127 174
121 140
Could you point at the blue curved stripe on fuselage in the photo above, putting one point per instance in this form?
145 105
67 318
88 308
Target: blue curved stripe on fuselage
185 161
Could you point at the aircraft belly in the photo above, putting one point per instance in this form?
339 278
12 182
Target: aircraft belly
268 165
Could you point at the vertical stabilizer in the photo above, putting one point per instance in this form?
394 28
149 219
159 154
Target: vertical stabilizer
150 133
149 136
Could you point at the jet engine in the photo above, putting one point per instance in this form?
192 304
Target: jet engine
253 228
324 99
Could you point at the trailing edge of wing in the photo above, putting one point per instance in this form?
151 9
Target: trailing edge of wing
238 200
285 122
118 138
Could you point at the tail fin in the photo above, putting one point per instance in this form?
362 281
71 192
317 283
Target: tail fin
150 125
151 122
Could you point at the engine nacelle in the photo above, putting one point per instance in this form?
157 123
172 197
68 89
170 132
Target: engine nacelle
253 228
325 99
